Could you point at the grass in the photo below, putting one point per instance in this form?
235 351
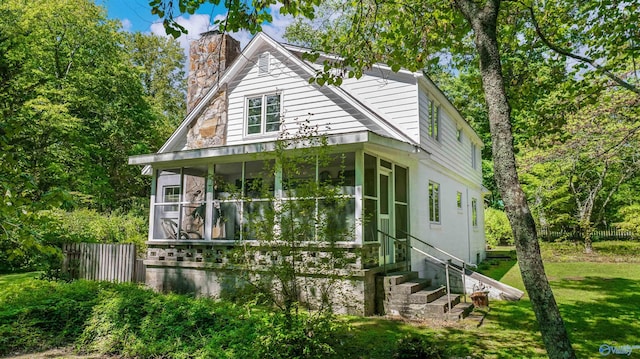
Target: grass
598 300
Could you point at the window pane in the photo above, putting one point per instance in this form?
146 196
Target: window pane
459 200
226 220
257 220
474 212
299 177
193 212
370 170
370 220
385 164
401 221
336 219
384 194
254 115
259 179
401 184
272 113
228 180
339 170
434 202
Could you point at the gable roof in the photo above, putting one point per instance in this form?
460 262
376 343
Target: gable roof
381 124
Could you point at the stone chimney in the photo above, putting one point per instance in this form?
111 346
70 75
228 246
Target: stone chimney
209 57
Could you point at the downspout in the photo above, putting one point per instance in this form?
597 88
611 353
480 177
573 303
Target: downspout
468 228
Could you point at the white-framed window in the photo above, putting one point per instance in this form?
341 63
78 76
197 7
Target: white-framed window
263 63
434 202
474 212
474 156
459 200
263 114
171 194
434 120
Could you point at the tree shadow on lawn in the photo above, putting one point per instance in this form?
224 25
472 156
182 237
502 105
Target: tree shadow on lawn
595 310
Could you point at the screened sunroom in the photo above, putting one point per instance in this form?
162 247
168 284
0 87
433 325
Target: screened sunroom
217 195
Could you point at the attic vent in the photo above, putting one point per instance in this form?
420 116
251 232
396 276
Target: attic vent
263 63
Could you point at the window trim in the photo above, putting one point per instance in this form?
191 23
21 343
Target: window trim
263 113
434 203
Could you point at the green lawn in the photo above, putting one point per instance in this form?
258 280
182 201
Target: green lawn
599 302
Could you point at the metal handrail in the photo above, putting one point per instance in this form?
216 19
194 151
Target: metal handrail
446 264
441 251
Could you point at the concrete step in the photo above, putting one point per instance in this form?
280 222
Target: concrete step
411 286
441 305
399 278
427 295
460 311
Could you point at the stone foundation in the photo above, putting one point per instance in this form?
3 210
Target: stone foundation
206 269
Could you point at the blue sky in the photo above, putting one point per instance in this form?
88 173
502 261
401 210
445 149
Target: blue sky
135 15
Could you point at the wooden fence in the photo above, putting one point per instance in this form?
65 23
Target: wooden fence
98 261
608 234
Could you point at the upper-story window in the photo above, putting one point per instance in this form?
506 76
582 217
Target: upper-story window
263 114
474 156
459 134
434 120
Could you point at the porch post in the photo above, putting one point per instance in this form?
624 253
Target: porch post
152 203
208 218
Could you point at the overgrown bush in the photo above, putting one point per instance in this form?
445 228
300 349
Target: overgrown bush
301 335
36 315
87 225
131 321
497 228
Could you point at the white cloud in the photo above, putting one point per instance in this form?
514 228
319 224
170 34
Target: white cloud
197 24
126 25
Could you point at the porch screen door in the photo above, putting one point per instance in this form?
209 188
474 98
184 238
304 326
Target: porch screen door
385 223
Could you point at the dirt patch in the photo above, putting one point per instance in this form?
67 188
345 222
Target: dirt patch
574 278
59 353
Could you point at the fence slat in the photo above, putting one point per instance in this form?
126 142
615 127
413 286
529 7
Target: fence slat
103 261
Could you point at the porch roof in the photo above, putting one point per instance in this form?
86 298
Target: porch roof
354 138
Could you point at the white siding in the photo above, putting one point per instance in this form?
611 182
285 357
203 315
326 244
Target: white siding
454 233
391 95
452 154
300 101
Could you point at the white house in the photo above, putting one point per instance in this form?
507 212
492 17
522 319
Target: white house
411 169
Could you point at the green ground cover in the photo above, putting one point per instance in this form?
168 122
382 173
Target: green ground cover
599 302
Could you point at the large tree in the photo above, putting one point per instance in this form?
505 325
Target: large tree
72 109
412 34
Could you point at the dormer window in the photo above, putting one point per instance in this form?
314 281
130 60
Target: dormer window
263 63
263 114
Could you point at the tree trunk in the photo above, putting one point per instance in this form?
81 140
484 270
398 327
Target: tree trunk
484 24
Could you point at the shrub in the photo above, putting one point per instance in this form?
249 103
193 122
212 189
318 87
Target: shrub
298 335
86 225
497 228
631 219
